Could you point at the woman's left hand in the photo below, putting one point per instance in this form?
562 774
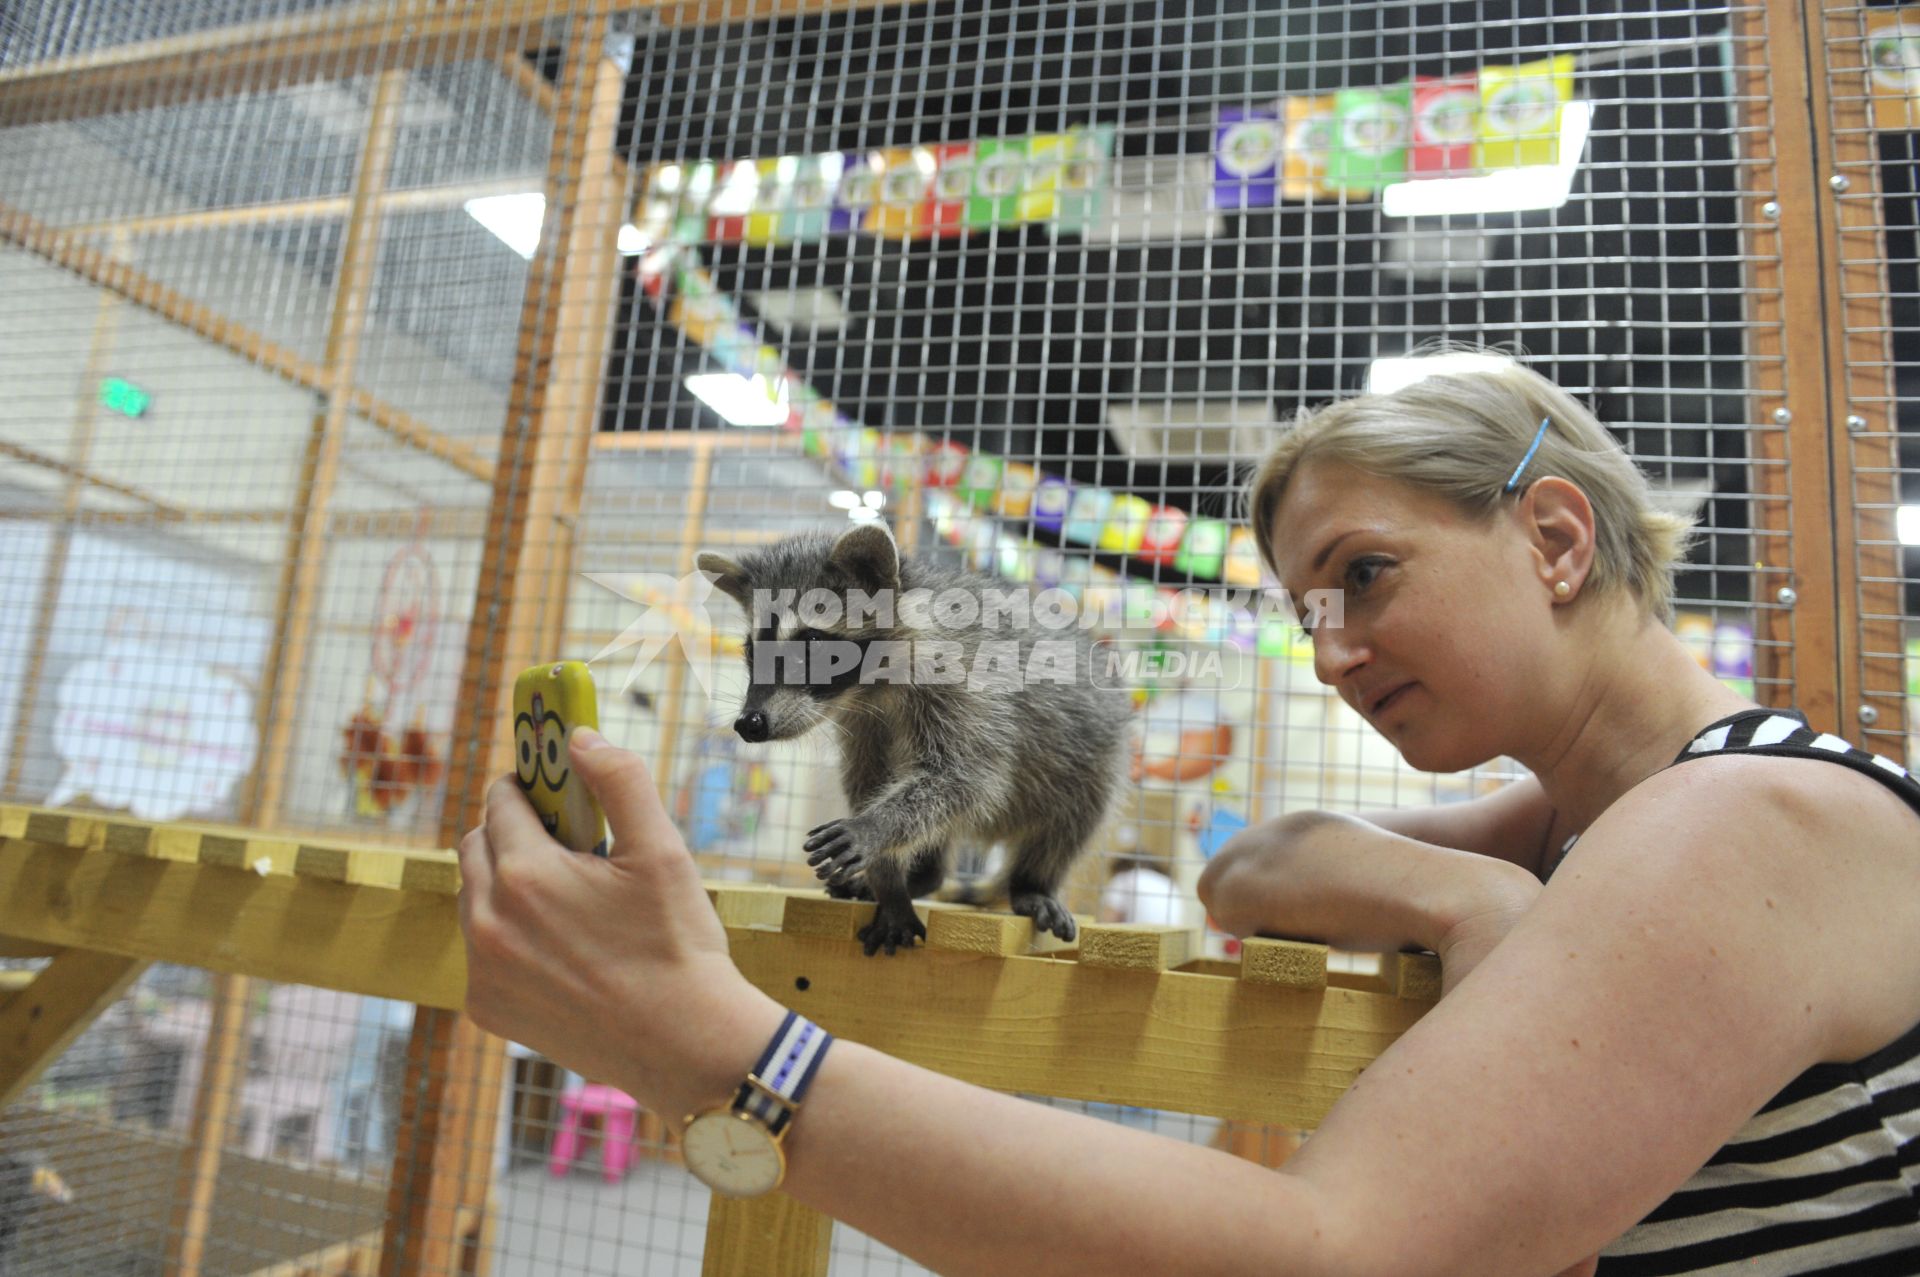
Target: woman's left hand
616 968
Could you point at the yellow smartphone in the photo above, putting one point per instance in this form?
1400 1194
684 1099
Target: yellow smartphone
549 701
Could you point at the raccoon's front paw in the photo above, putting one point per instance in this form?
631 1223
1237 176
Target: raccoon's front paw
1046 912
894 925
838 854
854 890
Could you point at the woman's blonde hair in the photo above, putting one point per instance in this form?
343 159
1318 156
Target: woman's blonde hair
1461 435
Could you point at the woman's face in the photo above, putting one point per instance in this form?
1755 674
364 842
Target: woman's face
1444 616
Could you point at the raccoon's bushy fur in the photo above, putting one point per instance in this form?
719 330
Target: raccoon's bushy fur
1036 767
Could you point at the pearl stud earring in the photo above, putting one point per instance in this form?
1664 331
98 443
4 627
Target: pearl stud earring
1561 589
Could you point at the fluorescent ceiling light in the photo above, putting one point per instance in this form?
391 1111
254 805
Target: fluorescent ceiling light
1907 520
805 309
1384 376
1537 186
743 401
514 218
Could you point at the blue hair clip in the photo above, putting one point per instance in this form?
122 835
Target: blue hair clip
1520 469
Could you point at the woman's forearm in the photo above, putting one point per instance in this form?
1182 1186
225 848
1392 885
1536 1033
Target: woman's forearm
1342 881
966 1180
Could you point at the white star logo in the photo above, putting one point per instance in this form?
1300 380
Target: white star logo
672 608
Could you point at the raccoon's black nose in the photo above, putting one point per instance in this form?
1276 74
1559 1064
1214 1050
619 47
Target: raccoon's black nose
752 726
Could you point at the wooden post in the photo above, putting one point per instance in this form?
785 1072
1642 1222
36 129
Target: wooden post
222 1069
106 324
444 1160
279 704
1785 216
306 553
699 488
1863 398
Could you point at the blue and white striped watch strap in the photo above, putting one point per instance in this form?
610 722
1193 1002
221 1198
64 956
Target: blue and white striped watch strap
785 1070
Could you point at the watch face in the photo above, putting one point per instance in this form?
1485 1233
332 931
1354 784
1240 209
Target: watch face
732 1155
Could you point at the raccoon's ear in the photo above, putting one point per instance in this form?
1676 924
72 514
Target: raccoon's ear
866 553
728 577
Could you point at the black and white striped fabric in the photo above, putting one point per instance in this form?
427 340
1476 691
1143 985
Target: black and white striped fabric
1826 1177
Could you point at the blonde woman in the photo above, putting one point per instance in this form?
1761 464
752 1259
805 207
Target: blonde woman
1693 1049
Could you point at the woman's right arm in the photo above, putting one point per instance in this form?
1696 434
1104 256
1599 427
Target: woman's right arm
1509 824
1349 883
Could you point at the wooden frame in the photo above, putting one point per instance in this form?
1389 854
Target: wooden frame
442 1159
1207 1036
1195 1035
375 36
67 251
1862 398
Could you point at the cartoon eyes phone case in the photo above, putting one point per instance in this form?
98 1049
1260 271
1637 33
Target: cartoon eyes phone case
549 701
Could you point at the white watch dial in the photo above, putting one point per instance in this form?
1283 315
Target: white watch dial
732 1155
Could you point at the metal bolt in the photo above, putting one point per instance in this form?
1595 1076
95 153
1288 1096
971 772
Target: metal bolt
1781 417
1786 597
1855 423
1869 715
1839 183
1771 210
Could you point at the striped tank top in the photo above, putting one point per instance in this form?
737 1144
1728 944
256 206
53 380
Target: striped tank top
1825 1178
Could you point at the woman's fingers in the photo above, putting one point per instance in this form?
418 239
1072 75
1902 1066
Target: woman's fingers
476 876
512 823
627 795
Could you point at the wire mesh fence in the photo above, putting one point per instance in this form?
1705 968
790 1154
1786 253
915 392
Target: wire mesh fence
357 355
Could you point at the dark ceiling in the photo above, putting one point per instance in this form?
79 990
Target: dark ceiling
1017 342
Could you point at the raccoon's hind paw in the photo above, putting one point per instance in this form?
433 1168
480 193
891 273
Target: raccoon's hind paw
1046 912
837 854
895 925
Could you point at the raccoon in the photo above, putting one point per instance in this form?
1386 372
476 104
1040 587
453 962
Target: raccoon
1034 762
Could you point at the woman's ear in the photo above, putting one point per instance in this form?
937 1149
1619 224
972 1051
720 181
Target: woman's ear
1557 519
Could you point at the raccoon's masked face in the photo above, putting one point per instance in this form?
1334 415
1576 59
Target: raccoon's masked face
798 675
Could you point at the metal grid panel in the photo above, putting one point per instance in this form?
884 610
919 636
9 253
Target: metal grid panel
363 485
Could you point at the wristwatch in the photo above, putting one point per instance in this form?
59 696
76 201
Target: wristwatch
735 1150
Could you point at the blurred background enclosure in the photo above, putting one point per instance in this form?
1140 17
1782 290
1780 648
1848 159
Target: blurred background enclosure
355 355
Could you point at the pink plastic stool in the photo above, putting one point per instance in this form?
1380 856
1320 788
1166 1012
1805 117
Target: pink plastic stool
617 1112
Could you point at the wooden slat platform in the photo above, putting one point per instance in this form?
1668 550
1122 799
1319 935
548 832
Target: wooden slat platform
1130 1015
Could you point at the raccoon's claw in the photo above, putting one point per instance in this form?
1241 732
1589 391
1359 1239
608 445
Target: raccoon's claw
835 855
843 889
894 926
1046 912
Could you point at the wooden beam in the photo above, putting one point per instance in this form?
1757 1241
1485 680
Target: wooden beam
38 1022
770 1234
304 564
331 206
80 476
442 1164
346 42
385 941
1863 397
1214 1039
696 440
76 257
1795 654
